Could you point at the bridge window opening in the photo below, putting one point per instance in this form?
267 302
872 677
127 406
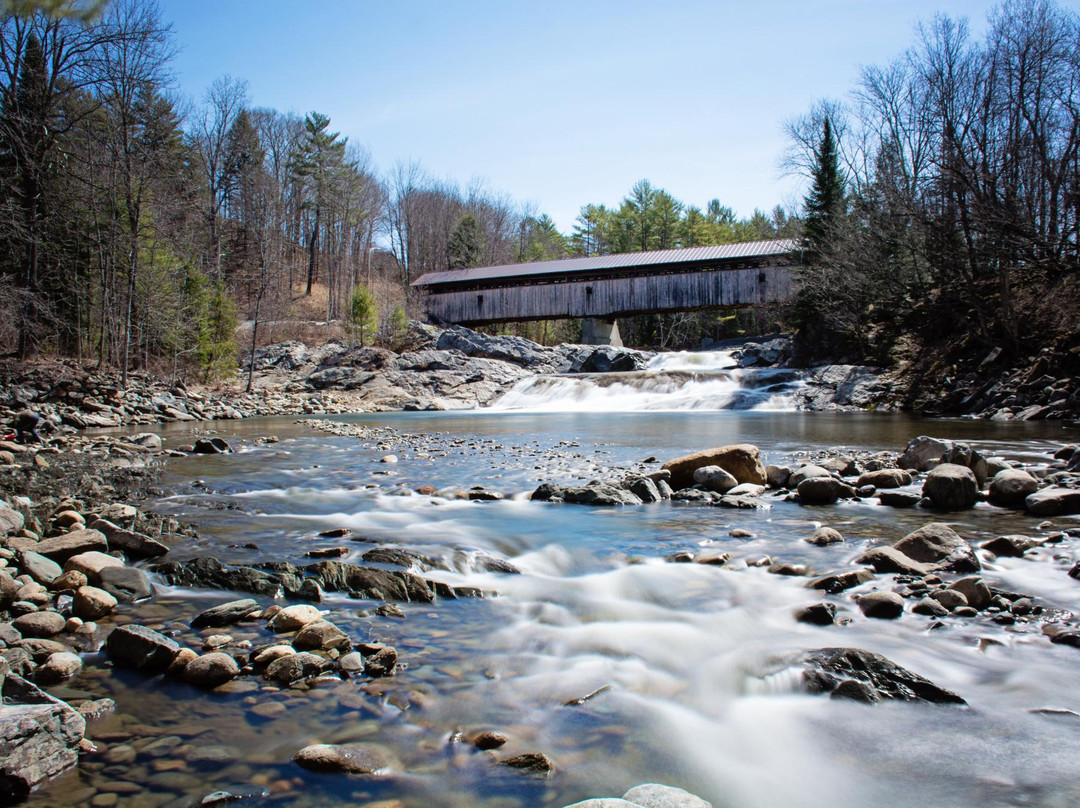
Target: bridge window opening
479 300
588 291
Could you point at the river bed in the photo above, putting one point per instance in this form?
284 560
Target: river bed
688 657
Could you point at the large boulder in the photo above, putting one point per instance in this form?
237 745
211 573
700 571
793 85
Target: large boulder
823 490
39 736
805 473
211 670
61 548
1053 502
885 478
877 678
741 460
940 548
951 487
923 453
714 478
141 648
226 614
1010 487
126 584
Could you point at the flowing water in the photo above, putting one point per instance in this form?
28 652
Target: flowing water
688 659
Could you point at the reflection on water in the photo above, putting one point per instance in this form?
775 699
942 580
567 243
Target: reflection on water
682 647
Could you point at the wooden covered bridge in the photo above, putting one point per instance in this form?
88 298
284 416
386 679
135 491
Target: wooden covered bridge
603 288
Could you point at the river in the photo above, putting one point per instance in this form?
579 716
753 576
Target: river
688 657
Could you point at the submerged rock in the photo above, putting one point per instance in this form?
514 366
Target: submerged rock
349 758
827 668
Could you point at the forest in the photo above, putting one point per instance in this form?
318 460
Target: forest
140 229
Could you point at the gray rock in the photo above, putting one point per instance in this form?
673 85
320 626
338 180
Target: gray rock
806 472
654 795
1011 487
949 598
923 453
930 608
777 476
823 490
644 489
839 581
899 499
826 668
10 521
211 670
39 624
1053 502
381 663
951 487
226 614
714 478
126 584
600 494
141 648
351 758
824 536
61 548
92 603
976 592
294 618
817 614
130 543
1012 546
881 605
321 635
59 667
286 670
885 478
889 559
211 446
939 547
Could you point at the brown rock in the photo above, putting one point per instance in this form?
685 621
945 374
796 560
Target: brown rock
741 460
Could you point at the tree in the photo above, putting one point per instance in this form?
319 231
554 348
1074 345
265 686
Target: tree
320 157
825 203
363 314
465 248
216 349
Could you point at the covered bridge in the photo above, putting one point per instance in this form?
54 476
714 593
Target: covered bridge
605 287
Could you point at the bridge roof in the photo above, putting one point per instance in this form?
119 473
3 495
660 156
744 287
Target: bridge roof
616 261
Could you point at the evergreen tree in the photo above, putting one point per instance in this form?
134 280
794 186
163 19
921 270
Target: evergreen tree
466 246
825 204
319 159
363 314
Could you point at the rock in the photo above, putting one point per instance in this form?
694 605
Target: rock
839 581
532 763
889 559
209 572
922 453
10 521
181 661
777 476
373 583
141 648
351 758
743 490
488 739
321 635
976 592
949 598
807 472
41 569
899 499
939 547
381 663
126 584
823 490
824 536
211 446
39 736
741 460
226 614
881 605
69 581
611 359
930 608
826 668
951 487
69 519
599 494
286 670
644 489
714 478
211 670
61 548
654 795
817 614
91 564
92 603
59 667
130 543
39 625
1011 546
293 618
1053 502
1011 487
885 478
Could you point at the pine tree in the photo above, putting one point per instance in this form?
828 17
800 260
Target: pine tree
466 246
321 155
826 203
363 314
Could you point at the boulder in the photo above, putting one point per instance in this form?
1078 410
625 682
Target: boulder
10 521
350 758
951 487
824 536
39 625
59 667
1012 546
881 605
839 581
654 795
39 736
41 569
741 460
923 453
1053 502
148 440
141 648
226 614
126 584
1011 487
644 489
714 478
293 618
974 590
600 494
899 499
61 548
91 564
827 668
381 663
210 670
321 635
92 603
817 614
130 543
885 478
939 547
286 670
823 490
777 476
211 446
889 559
805 473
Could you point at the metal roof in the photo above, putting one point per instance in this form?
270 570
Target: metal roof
566 266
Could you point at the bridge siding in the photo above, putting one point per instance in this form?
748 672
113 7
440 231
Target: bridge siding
617 296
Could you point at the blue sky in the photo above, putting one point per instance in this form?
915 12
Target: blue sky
558 103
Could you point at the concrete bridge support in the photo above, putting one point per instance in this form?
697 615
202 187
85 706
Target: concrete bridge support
595 331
